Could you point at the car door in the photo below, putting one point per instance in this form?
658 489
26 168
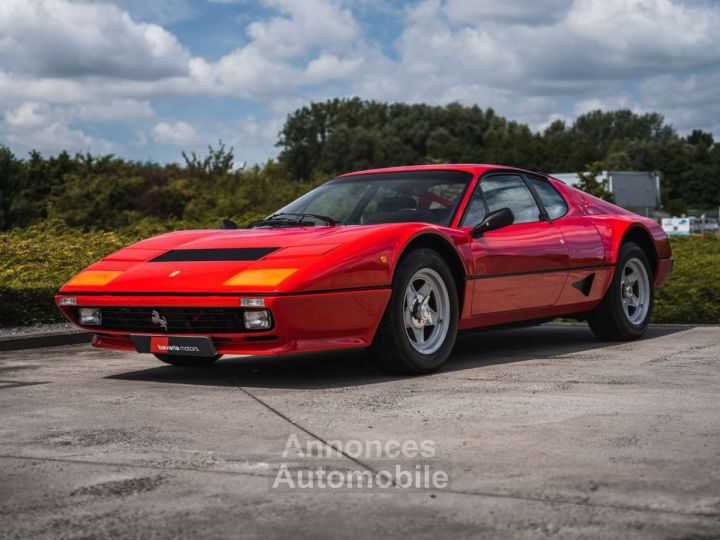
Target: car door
589 270
520 266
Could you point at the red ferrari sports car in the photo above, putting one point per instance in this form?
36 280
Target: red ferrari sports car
398 260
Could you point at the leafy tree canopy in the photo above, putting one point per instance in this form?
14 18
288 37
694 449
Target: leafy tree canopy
340 135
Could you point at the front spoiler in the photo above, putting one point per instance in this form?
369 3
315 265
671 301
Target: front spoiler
303 322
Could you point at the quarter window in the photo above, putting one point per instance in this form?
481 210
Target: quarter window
475 212
553 202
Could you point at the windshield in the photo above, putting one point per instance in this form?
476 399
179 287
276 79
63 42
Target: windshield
426 196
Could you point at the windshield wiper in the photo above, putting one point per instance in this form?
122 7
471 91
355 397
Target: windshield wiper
326 219
279 222
276 220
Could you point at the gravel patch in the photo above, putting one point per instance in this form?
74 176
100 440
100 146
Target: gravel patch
11 331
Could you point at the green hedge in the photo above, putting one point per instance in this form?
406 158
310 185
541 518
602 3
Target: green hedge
28 306
692 293
35 261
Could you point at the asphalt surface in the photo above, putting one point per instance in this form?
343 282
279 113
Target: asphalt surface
543 432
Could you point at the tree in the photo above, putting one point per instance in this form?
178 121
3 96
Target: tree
340 135
12 178
589 182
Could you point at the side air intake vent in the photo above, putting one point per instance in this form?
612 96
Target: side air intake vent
585 284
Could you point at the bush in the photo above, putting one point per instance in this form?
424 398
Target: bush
692 293
36 261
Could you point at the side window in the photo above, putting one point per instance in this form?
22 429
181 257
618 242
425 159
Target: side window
554 203
510 191
475 212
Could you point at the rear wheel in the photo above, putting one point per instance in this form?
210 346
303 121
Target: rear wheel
625 310
418 330
187 361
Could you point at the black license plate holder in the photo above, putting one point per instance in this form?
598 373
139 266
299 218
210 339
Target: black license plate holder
175 345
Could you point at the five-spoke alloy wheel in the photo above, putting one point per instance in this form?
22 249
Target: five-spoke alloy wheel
635 291
624 312
418 330
427 309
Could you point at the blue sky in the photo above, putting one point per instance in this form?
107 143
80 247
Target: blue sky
149 79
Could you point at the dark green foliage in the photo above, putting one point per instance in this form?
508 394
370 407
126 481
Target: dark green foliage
28 306
590 183
342 135
108 193
692 293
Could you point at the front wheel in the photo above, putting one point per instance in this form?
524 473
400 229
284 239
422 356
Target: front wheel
624 312
418 330
187 361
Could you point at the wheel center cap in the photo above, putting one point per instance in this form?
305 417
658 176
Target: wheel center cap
628 291
420 313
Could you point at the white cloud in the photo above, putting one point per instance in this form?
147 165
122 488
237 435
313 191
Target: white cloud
116 110
591 43
304 27
688 102
269 65
52 136
247 72
625 37
328 67
253 139
58 38
175 133
28 115
69 63
576 55
33 114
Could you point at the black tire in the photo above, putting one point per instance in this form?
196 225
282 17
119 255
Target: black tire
609 321
187 361
392 349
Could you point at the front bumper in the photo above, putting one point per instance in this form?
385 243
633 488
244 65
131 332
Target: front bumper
304 322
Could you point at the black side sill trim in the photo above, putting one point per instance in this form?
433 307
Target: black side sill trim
236 294
543 271
220 254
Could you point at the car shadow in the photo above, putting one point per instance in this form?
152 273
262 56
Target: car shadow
340 369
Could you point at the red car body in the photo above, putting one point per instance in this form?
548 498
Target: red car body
341 277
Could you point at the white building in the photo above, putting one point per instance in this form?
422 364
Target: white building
638 191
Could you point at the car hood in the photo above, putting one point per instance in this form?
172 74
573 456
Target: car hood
269 261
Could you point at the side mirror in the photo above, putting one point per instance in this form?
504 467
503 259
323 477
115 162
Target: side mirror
228 224
494 220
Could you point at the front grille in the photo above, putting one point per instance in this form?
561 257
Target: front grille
180 320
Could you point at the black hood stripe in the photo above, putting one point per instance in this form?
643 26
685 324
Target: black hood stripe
221 254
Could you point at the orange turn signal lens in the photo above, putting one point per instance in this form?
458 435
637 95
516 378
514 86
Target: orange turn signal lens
261 277
93 278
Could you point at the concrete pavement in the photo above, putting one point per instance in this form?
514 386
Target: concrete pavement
544 432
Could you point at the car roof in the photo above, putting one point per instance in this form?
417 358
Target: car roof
473 168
